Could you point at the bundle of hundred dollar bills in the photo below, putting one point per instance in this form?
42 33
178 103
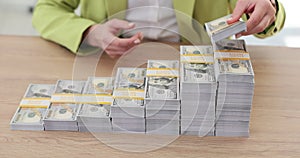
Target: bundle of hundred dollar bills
93 114
198 90
219 29
162 99
32 108
208 93
236 88
61 114
127 109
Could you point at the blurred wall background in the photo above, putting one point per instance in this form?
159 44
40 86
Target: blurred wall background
15 18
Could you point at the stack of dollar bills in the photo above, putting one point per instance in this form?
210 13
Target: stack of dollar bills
61 114
236 88
127 109
198 90
93 114
219 29
162 99
32 108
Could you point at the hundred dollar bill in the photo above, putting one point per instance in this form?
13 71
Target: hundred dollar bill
95 110
197 64
39 91
32 107
230 45
198 72
163 64
68 91
163 68
99 85
219 29
196 50
234 70
62 112
235 67
162 88
127 108
128 102
69 86
130 78
29 116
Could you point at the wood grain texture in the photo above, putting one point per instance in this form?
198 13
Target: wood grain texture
275 117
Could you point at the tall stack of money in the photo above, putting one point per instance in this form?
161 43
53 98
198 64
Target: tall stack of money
162 99
198 90
93 114
61 114
219 29
127 109
32 108
236 88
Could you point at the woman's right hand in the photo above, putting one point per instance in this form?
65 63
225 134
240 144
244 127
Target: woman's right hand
105 36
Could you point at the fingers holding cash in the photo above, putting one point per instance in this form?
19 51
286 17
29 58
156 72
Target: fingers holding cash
261 15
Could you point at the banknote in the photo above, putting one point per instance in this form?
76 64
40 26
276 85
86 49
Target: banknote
235 66
196 50
162 88
69 86
29 115
99 85
39 91
130 78
61 112
198 72
94 110
219 29
163 64
227 44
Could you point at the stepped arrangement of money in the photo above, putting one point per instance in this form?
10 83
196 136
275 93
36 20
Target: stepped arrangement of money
162 99
219 29
32 108
211 96
236 88
198 90
93 114
61 114
127 109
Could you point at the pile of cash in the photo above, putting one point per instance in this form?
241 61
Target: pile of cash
209 93
236 88
219 29
61 114
127 109
162 99
93 114
198 90
32 108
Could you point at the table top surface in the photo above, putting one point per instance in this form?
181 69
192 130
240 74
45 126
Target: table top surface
275 116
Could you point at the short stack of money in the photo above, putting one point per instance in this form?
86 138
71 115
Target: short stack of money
61 114
198 90
32 108
93 114
162 98
219 29
236 88
128 110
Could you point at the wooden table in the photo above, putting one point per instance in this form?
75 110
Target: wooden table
275 117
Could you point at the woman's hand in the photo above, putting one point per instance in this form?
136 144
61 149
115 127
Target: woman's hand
105 36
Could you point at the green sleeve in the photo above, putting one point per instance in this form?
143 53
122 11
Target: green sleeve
272 29
55 20
276 26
